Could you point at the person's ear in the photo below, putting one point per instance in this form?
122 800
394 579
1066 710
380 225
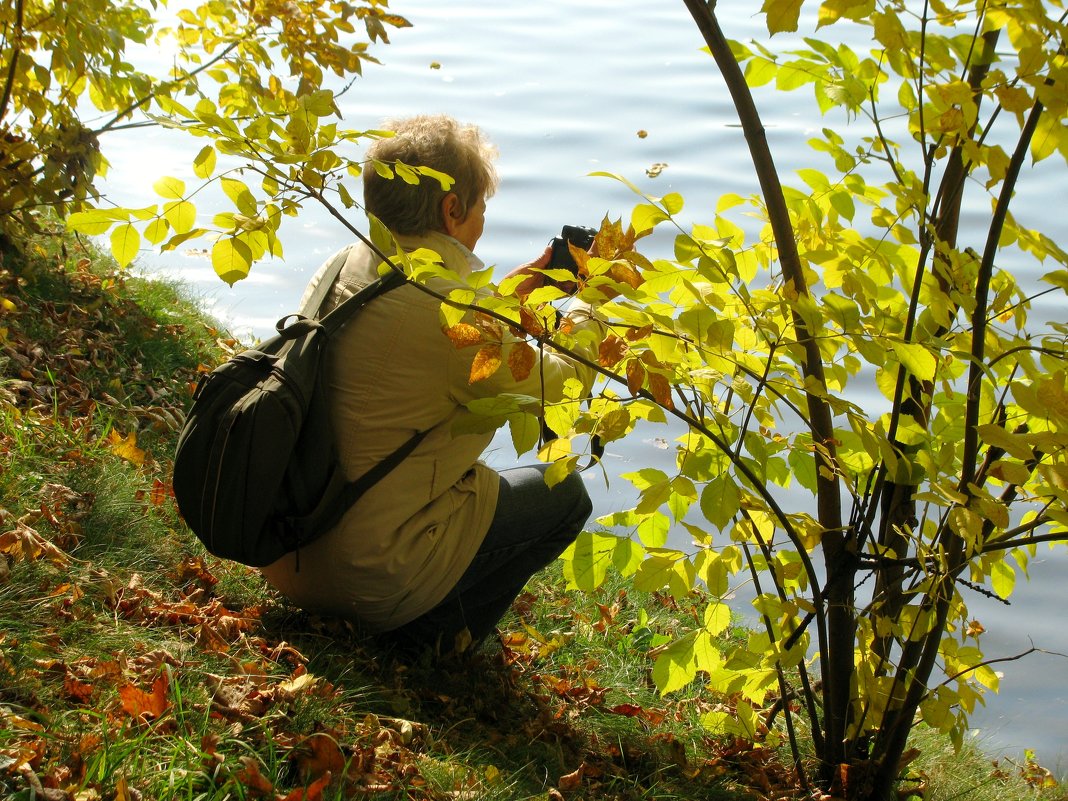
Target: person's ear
452 212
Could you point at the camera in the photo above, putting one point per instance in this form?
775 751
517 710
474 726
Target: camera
579 236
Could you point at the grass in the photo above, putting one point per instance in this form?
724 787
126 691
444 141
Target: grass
135 666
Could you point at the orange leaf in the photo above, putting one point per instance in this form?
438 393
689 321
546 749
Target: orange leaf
75 689
530 322
661 389
313 792
487 362
635 376
634 334
463 335
611 350
573 780
319 755
160 492
521 360
126 448
625 274
252 780
144 706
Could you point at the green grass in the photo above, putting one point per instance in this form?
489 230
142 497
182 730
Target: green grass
134 665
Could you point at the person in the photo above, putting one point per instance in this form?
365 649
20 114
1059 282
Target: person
436 552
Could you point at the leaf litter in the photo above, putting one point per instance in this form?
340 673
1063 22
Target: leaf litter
249 692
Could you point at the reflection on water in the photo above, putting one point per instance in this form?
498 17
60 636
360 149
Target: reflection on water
563 89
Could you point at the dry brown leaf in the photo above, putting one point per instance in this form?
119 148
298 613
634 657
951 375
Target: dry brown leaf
635 376
319 755
661 389
23 542
253 781
313 792
611 350
572 781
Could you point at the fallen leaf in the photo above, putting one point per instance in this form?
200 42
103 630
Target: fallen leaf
313 792
572 781
252 780
140 705
319 755
126 447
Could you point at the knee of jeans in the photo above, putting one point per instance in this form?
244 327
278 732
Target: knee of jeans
581 503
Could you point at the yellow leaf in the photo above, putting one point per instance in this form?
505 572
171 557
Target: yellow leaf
487 361
156 231
181 214
916 359
204 163
125 242
231 258
126 447
782 15
1002 578
463 335
169 187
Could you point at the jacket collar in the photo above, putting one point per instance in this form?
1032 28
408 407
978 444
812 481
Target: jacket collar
455 254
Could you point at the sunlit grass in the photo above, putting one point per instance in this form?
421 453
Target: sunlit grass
132 663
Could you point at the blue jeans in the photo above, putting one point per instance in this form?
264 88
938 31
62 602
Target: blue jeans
531 526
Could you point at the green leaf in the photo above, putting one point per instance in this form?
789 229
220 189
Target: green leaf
587 560
231 258
675 667
916 359
125 242
720 501
525 430
1002 578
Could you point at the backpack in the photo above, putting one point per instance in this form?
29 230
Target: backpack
256 471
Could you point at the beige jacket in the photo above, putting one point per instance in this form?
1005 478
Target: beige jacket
404 545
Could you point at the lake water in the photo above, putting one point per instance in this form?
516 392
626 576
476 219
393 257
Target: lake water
563 88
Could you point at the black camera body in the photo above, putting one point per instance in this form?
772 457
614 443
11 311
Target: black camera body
579 236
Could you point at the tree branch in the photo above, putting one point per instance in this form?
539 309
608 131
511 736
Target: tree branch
16 50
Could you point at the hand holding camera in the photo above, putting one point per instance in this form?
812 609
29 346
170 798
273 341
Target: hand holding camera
561 258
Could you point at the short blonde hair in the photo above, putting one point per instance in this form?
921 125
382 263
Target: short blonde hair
437 141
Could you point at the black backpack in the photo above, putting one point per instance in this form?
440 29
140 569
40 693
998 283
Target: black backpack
256 473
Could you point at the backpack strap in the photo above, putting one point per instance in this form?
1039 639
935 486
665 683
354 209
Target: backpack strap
340 314
322 282
334 507
339 494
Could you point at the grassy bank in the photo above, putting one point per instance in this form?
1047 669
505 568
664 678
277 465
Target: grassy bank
135 666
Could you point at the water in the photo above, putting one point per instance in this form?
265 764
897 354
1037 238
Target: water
563 89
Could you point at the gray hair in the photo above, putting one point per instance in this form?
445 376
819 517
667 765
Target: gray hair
437 141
